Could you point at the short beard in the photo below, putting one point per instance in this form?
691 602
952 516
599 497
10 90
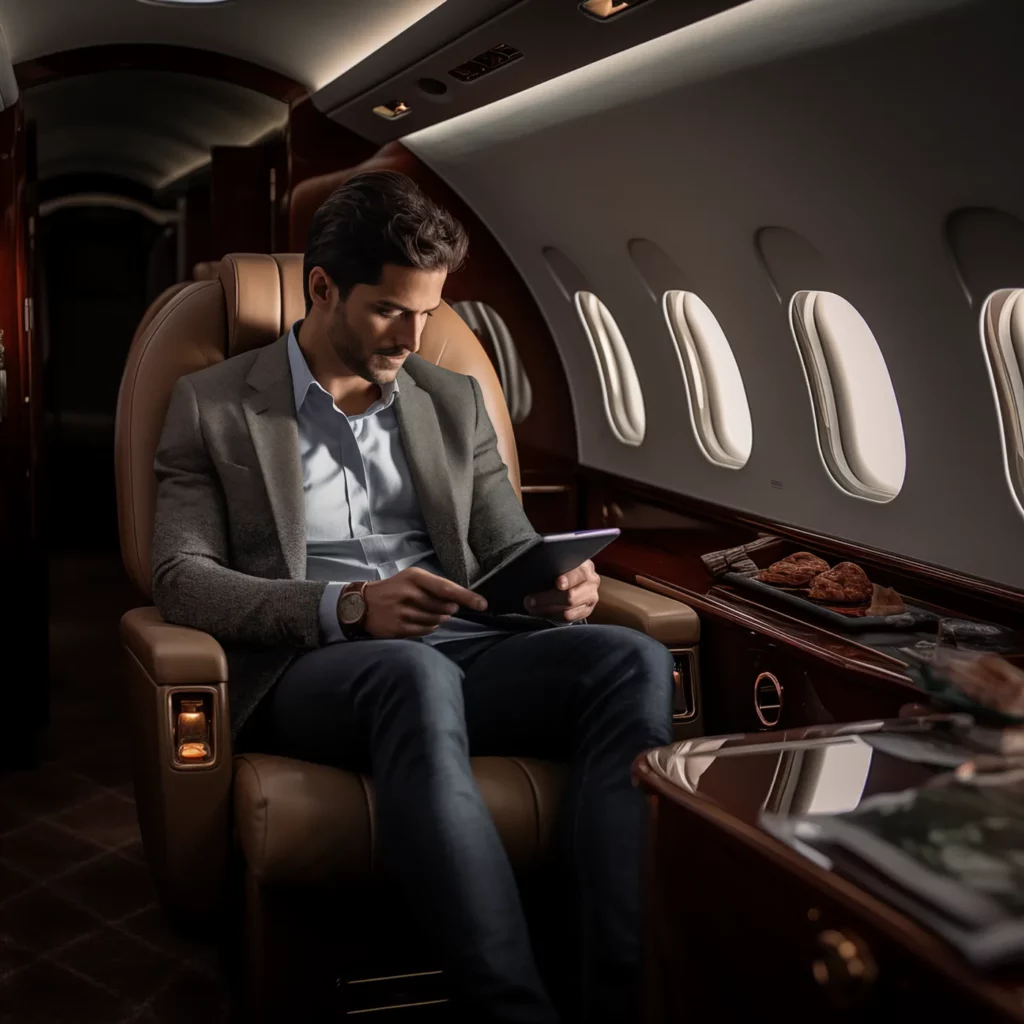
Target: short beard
345 343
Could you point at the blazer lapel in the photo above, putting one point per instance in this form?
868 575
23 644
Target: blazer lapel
270 415
425 454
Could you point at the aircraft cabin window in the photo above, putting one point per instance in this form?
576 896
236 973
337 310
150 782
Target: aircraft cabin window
718 401
620 386
856 415
487 324
1002 336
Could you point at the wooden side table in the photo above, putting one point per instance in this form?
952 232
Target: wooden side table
738 924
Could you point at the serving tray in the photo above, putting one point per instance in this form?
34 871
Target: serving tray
912 618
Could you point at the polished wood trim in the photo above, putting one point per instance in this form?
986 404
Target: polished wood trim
317 145
921 944
19 443
944 589
818 643
157 57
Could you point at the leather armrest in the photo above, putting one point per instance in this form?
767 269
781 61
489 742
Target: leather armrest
622 604
184 812
172 655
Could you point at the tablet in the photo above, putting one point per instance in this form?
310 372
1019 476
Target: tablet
536 567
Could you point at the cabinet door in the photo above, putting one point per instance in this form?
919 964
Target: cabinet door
23 622
752 684
732 935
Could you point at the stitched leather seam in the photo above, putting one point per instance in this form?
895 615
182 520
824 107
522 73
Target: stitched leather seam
147 343
372 823
266 813
440 355
536 806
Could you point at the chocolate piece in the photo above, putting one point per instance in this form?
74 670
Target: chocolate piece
845 584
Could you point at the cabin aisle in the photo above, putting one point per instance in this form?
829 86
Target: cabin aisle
82 939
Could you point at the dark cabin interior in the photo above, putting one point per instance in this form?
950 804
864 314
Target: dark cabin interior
645 185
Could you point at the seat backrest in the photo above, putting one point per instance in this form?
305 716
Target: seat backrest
252 302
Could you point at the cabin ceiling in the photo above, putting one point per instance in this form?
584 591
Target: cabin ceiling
151 127
310 41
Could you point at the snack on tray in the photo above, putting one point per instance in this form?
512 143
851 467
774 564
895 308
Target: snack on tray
990 680
885 601
788 574
806 558
845 584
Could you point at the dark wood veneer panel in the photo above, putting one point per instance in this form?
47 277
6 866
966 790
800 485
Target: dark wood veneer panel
157 57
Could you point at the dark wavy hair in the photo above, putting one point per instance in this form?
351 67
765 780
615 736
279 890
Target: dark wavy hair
377 218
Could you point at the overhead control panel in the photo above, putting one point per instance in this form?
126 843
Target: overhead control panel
510 51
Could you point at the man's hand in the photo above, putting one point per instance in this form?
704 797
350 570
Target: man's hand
574 597
413 603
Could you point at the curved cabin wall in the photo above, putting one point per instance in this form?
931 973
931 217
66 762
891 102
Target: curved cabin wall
862 147
487 277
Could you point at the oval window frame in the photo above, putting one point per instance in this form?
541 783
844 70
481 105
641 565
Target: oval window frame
695 352
620 385
819 372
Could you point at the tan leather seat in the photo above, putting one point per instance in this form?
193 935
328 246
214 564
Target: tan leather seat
206 270
156 305
307 824
295 824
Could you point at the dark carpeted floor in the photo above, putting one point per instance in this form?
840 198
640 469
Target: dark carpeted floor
82 939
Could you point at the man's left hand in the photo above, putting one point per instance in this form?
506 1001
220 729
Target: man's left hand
573 598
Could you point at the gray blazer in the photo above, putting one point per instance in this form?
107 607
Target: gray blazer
229 537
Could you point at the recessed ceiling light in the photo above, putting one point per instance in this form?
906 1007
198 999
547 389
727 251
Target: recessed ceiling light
392 111
185 3
605 9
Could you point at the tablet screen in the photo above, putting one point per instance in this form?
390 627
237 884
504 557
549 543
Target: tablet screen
536 568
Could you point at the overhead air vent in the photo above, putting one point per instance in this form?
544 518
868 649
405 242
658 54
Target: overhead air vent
486 62
602 10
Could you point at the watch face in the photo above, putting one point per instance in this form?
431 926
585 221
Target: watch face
352 608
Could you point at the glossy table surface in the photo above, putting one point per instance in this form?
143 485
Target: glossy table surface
815 770
729 781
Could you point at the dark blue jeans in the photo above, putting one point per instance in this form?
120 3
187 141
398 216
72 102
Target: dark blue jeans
591 696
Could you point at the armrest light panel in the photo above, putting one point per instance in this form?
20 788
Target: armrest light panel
191 720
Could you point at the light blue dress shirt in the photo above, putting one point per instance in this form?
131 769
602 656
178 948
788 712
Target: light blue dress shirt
363 518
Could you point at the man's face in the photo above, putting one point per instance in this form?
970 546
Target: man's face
374 329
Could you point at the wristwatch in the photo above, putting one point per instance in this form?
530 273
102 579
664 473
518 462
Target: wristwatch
352 611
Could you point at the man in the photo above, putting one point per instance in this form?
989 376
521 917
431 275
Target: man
323 504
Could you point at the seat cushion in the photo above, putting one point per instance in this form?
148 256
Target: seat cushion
308 824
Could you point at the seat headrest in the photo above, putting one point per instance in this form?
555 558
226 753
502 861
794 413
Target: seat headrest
206 270
263 295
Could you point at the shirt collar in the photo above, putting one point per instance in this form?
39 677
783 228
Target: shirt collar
303 379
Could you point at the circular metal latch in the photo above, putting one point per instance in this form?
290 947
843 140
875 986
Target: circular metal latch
768 699
845 968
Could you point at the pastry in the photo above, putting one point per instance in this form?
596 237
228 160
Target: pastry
806 558
845 584
788 574
991 681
